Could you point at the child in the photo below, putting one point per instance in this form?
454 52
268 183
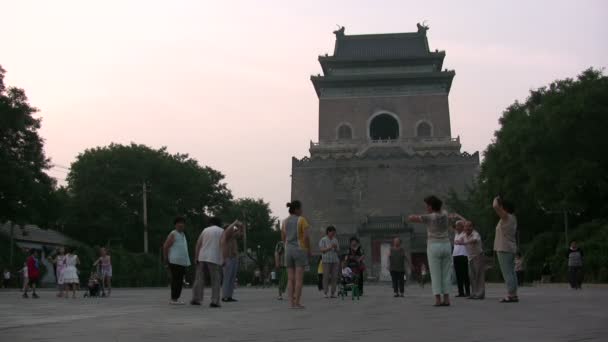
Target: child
93 285
70 273
33 272
423 273
320 275
24 276
59 262
106 270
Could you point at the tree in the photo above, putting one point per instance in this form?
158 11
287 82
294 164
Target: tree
550 153
261 230
25 188
105 189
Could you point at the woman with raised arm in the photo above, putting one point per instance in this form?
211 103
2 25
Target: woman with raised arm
439 248
505 245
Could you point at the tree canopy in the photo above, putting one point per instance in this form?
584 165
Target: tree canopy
25 189
105 188
549 156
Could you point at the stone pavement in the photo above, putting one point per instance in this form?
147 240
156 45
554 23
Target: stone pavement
545 314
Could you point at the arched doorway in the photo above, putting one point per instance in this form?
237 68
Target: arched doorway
345 132
384 127
423 129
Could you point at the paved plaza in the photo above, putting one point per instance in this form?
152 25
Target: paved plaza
552 313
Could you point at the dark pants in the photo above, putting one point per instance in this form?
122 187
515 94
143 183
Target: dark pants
461 265
398 281
360 282
320 281
520 278
575 276
177 280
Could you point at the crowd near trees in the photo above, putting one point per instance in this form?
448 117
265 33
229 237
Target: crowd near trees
549 157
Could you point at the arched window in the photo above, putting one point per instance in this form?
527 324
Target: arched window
384 127
345 132
423 129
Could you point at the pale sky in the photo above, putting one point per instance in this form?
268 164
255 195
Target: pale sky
228 81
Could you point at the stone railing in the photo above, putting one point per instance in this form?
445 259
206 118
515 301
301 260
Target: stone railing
356 144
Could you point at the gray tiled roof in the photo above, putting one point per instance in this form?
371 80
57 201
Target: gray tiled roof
36 234
395 45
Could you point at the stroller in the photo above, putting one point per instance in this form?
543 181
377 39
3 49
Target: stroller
94 287
349 283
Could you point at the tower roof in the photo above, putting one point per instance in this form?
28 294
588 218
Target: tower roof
392 45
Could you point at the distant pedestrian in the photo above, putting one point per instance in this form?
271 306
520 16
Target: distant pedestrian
70 273
439 248
230 252
295 234
505 245
175 252
279 263
423 274
105 271
461 261
209 261
6 278
33 272
257 278
545 276
59 262
397 266
477 269
329 247
575 266
519 269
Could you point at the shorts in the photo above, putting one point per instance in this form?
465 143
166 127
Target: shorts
33 281
295 257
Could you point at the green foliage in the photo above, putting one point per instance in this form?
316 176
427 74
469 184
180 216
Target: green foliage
105 188
255 213
25 189
548 155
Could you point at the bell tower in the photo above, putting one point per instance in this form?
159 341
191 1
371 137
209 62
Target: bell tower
385 141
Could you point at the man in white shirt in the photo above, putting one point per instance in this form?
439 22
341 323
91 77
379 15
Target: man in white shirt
209 260
477 270
461 261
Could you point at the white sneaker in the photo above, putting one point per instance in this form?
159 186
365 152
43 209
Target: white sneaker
176 302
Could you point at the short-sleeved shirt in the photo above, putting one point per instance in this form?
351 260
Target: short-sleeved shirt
331 256
473 244
210 249
459 250
397 260
33 267
178 253
505 239
437 225
296 228
575 257
279 250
